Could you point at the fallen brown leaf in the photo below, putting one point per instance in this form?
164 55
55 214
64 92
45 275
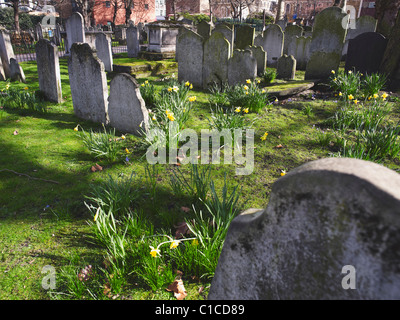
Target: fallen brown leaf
178 289
181 230
185 209
279 146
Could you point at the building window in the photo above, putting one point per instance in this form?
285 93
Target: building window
108 4
146 6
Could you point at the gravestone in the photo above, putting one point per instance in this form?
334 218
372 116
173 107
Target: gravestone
363 24
6 51
48 70
244 36
261 58
291 32
286 67
331 231
75 29
57 35
16 72
132 41
88 83
103 48
2 74
272 42
215 60
241 66
126 108
326 43
204 29
300 51
189 48
228 34
365 52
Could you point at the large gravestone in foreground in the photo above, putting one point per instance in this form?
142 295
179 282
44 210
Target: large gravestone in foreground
88 83
331 231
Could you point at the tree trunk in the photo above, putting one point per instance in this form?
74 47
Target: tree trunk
15 6
385 13
279 11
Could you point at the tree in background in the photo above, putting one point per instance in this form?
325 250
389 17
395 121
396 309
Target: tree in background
385 13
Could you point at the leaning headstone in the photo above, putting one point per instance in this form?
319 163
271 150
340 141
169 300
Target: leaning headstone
286 67
228 34
189 48
244 36
48 70
132 41
300 51
326 43
331 231
291 32
261 58
103 48
272 42
6 51
215 60
126 108
17 74
365 52
362 25
241 67
204 29
2 74
75 29
88 83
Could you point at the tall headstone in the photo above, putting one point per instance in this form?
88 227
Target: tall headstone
365 52
75 29
227 32
126 108
215 60
291 32
300 51
261 58
286 67
6 51
331 231
244 36
2 74
326 43
88 83
272 42
241 66
103 48
48 70
189 48
132 41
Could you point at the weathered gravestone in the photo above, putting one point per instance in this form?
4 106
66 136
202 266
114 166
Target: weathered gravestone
301 51
241 66
215 60
126 108
132 41
6 51
2 74
286 67
365 52
272 42
261 57
244 36
103 48
331 230
326 43
48 70
291 32
204 29
189 48
88 83
17 73
228 33
75 29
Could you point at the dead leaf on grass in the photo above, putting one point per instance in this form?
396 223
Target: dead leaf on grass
178 289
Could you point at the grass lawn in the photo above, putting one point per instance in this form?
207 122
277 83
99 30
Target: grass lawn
45 173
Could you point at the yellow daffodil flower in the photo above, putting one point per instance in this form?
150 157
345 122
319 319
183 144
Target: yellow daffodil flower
248 81
376 95
146 82
340 94
195 242
246 110
283 172
237 110
123 137
245 87
174 244
154 252
192 98
350 97
187 83
191 87
169 89
76 128
384 96
127 150
333 71
355 101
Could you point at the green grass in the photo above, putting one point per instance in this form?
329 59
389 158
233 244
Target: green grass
43 217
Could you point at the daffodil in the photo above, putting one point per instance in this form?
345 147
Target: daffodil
248 81
350 97
333 71
384 96
355 101
276 100
247 93
169 89
283 172
153 118
174 244
258 81
350 72
26 88
187 83
246 110
171 116
191 87
154 252
245 87
262 91
195 242
369 98
340 94
76 128
264 136
142 85
376 95
175 88
127 150
192 98
334 79
123 137
238 109
146 82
